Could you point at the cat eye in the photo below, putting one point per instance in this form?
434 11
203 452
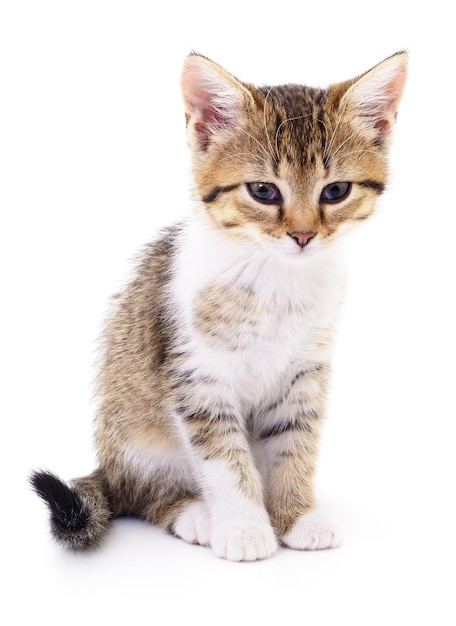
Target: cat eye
335 192
267 193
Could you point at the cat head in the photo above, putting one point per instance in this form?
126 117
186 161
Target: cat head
290 167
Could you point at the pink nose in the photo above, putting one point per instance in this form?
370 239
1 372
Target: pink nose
302 239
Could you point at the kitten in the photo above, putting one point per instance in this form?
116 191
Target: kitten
216 356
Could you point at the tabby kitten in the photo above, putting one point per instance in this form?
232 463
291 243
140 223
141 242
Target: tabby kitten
216 356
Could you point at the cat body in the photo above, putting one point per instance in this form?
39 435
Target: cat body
216 356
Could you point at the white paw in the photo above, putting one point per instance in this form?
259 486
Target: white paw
312 532
194 525
244 541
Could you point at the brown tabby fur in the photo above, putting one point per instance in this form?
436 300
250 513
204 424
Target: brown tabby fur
301 139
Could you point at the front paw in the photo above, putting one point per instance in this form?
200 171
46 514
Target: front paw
244 541
312 532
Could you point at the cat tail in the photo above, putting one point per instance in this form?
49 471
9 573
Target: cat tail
79 512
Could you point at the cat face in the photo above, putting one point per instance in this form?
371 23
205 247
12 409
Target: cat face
290 167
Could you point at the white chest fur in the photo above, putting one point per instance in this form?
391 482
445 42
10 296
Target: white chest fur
249 318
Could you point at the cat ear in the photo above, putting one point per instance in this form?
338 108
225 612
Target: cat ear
374 97
213 99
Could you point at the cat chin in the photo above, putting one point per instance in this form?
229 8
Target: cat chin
286 250
295 256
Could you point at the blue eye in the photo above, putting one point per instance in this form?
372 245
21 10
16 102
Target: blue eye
335 192
267 193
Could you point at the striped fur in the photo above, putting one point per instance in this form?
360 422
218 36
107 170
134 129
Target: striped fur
216 357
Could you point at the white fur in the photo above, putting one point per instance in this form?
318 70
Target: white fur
207 88
234 526
379 91
298 299
194 524
145 462
312 532
301 301
241 530
244 541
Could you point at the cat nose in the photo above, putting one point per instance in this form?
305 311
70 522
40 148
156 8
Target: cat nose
302 239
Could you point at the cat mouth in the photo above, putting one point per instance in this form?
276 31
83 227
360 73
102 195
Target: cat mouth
296 253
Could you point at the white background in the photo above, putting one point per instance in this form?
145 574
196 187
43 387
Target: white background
93 161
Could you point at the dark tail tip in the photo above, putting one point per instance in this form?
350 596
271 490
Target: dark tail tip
80 513
68 514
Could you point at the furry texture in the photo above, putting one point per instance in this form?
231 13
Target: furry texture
217 355
79 513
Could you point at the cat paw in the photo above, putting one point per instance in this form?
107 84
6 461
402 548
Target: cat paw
244 541
311 532
194 525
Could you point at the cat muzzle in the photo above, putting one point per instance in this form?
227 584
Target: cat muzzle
302 239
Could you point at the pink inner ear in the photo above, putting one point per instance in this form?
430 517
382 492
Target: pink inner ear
382 125
377 95
212 99
207 121
395 89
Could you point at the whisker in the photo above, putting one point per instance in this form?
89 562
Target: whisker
249 154
289 119
343 144
300 117
273 155
326 138
345 154
256 141
336 127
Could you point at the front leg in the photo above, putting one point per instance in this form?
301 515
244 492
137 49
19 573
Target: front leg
288 436
230 483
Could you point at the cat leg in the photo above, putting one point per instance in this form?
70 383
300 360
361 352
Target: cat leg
240 529
178 513
288 436
164 488
193 524
243 540
157 485
291 500
312 531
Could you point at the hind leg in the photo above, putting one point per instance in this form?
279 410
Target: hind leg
161 491
193 523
